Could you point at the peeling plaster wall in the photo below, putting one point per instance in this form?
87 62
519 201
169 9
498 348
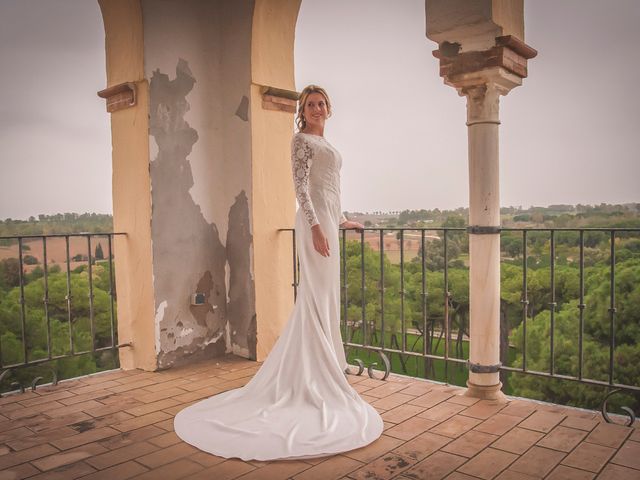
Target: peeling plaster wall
197 57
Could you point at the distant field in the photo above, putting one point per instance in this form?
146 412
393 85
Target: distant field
412 241
56 250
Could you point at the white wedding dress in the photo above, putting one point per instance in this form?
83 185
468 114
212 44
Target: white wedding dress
299 404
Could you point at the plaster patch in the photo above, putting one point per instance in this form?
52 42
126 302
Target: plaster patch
159 316
241 352
241 307
153 151
227 274
242 111
227 337
215 338
185 332
251 262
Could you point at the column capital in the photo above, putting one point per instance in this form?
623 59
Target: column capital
483 89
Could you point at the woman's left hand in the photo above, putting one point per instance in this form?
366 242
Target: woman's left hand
351 224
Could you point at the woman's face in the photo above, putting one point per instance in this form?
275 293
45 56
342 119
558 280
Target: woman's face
315 110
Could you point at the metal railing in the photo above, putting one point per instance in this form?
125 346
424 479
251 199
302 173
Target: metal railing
88 262
426 329
427 325
552 373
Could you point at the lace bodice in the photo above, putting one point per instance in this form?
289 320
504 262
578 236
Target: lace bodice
316 171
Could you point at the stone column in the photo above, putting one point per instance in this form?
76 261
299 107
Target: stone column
483 56
483 90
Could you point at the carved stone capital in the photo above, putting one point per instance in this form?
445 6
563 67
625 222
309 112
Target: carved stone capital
483 89
483 103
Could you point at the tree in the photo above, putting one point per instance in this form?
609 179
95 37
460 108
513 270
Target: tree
9 273
566 353
99 255
36 322
30 260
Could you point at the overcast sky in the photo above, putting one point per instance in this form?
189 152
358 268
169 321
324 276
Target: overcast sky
569 134
55 139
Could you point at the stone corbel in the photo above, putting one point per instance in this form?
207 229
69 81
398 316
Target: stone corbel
119 96
509 53
279 99
483 76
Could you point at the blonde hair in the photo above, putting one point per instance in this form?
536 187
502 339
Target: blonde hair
301 123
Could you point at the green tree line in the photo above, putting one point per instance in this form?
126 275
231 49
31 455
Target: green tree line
60 223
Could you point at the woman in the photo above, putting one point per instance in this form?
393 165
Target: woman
299 404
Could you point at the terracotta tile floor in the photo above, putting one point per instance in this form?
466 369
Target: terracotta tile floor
119 425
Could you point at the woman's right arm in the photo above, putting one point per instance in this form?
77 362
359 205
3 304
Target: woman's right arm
301 159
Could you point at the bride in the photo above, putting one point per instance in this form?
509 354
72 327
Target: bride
299 404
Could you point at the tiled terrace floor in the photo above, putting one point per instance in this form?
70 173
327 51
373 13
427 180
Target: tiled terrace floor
119 425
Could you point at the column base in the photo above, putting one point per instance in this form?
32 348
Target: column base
486 392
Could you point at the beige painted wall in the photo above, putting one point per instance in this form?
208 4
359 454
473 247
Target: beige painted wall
272 42
131 185
274 23
273 208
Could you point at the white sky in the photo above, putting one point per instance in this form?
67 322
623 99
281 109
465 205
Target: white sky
55 140
568 135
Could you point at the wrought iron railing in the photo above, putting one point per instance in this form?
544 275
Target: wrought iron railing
612 233
25 243
426 328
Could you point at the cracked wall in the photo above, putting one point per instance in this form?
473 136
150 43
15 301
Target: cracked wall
197 60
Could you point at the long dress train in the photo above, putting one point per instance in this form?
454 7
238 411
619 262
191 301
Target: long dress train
299 404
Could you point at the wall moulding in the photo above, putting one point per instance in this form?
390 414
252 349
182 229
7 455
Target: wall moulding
279 99
119 96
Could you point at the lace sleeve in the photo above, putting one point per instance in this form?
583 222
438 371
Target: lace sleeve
301 159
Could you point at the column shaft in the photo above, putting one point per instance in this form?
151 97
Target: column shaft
484 250
483 90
